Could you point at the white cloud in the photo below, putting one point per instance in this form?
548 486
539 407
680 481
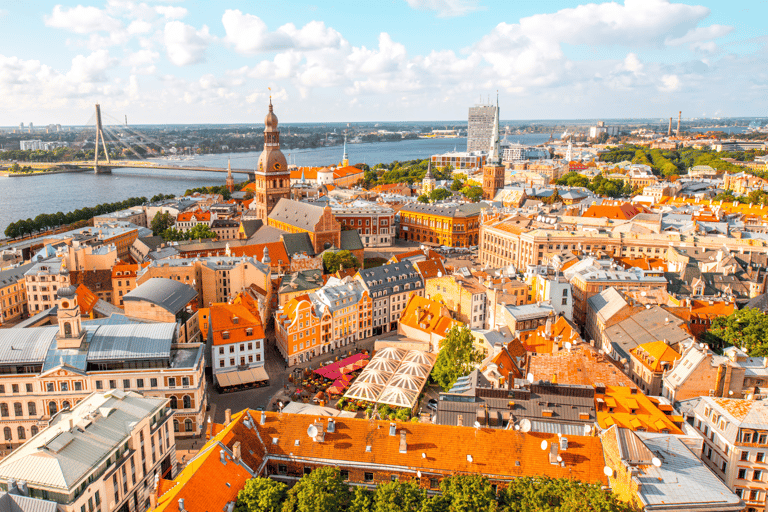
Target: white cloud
91 68
139 27
669 83
701 34
632 63
81 20
446 8
171 12
248 34
184 44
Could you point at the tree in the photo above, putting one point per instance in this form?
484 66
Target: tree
468 493
397 497
261 495
746 328
526 494
423 198
334 260
174 235
322 489
200 231
457 185
457 358
473 193
439 194
362 500
161 222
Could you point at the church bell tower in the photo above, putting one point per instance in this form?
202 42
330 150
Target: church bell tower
71 333
493 171
273 178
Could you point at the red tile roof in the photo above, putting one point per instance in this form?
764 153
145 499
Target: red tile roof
623 211
234 320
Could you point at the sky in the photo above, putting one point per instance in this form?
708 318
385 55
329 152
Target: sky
199 61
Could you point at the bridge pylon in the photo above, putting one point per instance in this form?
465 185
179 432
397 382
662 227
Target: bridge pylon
100 135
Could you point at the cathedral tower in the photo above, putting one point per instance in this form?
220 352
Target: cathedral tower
230 179
493 171
273 179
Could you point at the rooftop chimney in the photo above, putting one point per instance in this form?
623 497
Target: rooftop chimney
679 118
181 505
263 418
392 429
236 452
403 441
227 416
223 456
460 421
331 425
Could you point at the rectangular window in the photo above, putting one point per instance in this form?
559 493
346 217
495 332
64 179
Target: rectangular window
29 388
185 381
15 388
368 477
153 383
760 457
172 382
344 474
139 383
78 386
742 474
433 483
757 476
744 455
282 469
99 384
126 383
112 384
49 386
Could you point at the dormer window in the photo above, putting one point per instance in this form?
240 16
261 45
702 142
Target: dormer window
225 335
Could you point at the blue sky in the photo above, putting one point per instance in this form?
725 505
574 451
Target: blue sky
381 60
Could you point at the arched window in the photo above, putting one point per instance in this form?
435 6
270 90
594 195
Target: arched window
188 425
21 432
32 408
4 410
67 329
34 430
7 434
52 409
175 425
187 402
174 402
18 410
65 406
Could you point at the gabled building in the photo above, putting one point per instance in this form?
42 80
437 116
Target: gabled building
464 296
389 287
647 365
237 341
426 321
165 300
299 217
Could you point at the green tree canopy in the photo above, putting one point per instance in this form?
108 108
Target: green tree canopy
746 328
398 497
161 222
321 490
261 494
334 260
362 500
423 198
457 358
200 231
469 493
544 494
439 194
472 192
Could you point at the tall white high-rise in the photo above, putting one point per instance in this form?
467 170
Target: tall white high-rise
480 123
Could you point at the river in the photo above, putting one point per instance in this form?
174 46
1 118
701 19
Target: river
27 197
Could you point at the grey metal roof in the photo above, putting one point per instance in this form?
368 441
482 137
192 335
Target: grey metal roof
166 293
60 457
301 281
447 209
298 243
350 240
682 481
19 346
16 503
607 303
383 279
646 326
133 341
296 213
14 275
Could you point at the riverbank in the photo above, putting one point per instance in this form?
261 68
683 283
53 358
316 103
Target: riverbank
41 172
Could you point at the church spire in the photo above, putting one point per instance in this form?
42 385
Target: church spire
230 179
494 157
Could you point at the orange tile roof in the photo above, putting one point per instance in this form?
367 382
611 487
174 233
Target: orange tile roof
431 268
510 228
654 353
631 410
86 299
125 269
537 341
418 252
222 319
643 263
343 172
623 211
439 450
427 315
198 215
582 366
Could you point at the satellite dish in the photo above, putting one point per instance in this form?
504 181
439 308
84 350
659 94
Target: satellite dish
656 462
568 345
607 471
544 445
439 274
312 431
477 424
525 425
418 474
530 378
